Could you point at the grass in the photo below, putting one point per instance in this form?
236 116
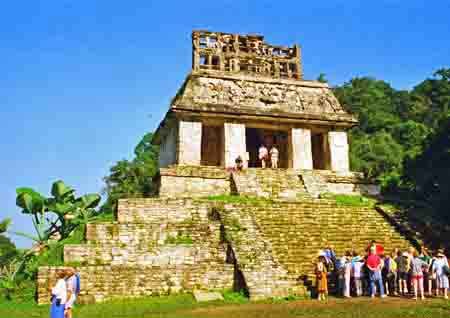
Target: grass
184 306
239 199
350 200
341 199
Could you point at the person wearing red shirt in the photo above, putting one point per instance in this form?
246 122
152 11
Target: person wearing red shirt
374 264
379 249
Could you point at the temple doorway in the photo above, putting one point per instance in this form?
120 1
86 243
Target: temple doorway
320 151
212 146
255 137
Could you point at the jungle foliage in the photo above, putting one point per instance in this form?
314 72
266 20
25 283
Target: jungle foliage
132 178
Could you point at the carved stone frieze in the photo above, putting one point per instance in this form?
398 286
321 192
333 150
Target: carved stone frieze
266 96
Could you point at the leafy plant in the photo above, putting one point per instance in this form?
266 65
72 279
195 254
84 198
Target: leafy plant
57 216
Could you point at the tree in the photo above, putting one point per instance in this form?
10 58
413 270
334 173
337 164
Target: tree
436 94
133 178
57 216
429 174
7 248
322 78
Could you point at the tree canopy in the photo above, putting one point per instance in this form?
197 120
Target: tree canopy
133 178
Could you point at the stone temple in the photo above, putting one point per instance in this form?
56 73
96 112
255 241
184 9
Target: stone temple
241 93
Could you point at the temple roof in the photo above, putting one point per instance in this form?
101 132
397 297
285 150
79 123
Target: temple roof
245 94
243 77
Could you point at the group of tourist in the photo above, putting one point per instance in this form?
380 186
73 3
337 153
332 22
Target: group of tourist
266 157
398 273
64 293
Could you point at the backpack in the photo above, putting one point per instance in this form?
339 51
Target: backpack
446 270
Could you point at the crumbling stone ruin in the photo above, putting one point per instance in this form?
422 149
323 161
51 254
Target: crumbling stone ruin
241 93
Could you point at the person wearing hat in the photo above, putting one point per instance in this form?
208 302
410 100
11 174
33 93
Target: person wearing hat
441 278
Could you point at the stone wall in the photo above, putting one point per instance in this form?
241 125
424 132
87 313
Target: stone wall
157 246
301 149
292 184
191 181
106 282
189 142
339 153
235 143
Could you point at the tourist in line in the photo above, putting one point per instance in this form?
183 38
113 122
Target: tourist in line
358 274
427 275
390 268
379 249
274 154
375 265
59 296
330 257
263 155
403 267
347 273
321 278
340 270
417 266
442 283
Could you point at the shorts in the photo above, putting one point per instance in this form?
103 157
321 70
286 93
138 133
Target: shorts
403 275
71 301
416 277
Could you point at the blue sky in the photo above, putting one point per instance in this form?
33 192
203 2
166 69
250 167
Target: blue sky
82 81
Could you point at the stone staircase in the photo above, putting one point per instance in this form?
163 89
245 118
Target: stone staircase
269 183
253 255
297 231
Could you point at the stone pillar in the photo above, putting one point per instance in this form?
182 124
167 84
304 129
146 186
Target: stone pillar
339 156
234 135
189 143
301 150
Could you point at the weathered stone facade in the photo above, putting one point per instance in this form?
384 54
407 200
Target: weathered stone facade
239 83
193 181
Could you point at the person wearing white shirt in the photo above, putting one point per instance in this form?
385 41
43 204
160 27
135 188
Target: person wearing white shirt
71 284
263 155
59 296
274 154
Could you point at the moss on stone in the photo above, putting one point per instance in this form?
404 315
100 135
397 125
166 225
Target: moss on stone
179 239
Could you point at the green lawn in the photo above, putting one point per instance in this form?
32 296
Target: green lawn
183 306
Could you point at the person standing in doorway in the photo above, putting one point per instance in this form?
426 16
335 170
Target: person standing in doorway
274 155
263 155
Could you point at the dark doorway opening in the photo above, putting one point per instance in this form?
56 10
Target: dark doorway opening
255 137
320 152
212 146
